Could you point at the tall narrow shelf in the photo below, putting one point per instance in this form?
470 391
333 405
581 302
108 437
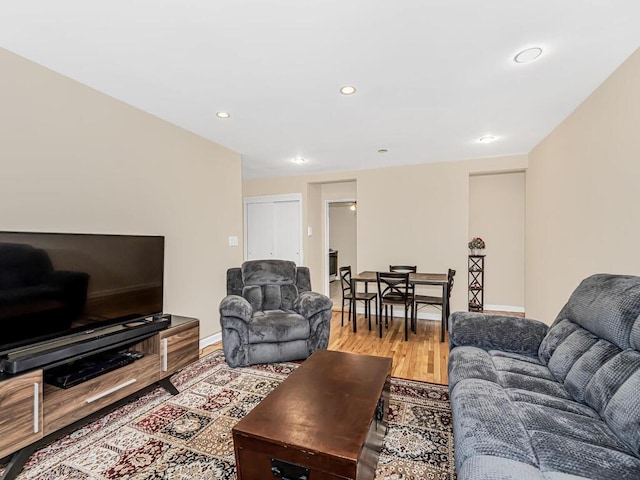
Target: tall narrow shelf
476 283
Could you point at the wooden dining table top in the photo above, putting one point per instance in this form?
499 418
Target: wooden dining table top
417 278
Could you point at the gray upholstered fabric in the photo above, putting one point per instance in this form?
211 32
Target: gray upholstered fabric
234 281
276 326
572 412
496 332
271 314
269 272
607 306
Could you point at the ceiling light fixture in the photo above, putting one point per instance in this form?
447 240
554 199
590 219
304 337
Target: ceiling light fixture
223 115
348 90
383 150
528 55
353 207
487 139
298 160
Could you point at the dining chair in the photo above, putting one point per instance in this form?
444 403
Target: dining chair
421 301
412 288
352 297
394 289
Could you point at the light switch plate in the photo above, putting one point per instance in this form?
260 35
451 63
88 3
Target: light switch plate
233 241
309 231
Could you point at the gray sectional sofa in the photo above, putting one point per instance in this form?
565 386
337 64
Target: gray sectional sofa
532 402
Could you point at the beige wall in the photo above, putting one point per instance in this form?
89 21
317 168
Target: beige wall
76 160
496 213
431 231
582 195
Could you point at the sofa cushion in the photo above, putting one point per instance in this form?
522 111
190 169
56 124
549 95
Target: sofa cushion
485 422
557 333
607 306
273 326
586 366
269 272
569 351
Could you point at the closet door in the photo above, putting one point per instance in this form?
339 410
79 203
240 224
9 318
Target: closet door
273 228
286 240
260 230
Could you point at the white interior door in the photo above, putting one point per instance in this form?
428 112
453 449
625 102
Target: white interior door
259 231
273 228
286 219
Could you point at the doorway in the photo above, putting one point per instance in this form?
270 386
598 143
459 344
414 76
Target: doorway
341 242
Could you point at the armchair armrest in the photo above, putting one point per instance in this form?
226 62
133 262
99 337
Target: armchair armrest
496 332
236 306
310 303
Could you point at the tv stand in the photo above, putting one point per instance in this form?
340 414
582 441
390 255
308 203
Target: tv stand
40 412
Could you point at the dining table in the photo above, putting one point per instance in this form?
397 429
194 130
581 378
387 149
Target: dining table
415 278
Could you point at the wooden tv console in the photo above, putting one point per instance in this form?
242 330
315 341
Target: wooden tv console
33 411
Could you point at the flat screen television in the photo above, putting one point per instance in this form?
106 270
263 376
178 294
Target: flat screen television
65 295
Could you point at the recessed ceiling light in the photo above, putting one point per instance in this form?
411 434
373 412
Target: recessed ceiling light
223 115
487 139
298 160
348 90
528 55
383 150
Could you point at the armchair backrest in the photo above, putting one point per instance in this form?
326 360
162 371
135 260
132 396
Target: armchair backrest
268 284
22 265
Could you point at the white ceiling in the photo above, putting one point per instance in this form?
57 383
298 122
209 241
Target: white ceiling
432 76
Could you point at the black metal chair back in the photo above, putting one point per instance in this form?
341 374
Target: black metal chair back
394 289
345 280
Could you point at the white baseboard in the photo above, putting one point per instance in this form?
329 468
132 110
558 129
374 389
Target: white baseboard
210 340
504 308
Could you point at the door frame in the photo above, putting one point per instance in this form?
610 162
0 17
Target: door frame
287 197
327 286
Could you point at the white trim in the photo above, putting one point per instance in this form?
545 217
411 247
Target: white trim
327 280
287 197
504 308
210 340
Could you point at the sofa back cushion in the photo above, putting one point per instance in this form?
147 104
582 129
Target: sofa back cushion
614 391
592 348
607 306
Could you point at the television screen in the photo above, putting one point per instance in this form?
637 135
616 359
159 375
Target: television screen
54 284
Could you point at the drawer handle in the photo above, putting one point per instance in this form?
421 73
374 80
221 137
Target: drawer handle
36 407
111 390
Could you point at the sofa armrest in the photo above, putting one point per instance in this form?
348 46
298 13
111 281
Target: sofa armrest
236 306
309 303
496 332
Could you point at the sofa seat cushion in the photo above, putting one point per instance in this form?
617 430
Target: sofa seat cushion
585 459
549 434
472 362
515 356
274 326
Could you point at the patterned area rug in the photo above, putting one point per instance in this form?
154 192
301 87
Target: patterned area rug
188 436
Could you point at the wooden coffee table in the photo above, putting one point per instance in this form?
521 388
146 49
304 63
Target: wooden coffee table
325 421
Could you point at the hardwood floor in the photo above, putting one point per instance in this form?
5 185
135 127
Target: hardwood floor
423 357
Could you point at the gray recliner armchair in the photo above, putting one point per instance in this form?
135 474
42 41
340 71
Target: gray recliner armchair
271 315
